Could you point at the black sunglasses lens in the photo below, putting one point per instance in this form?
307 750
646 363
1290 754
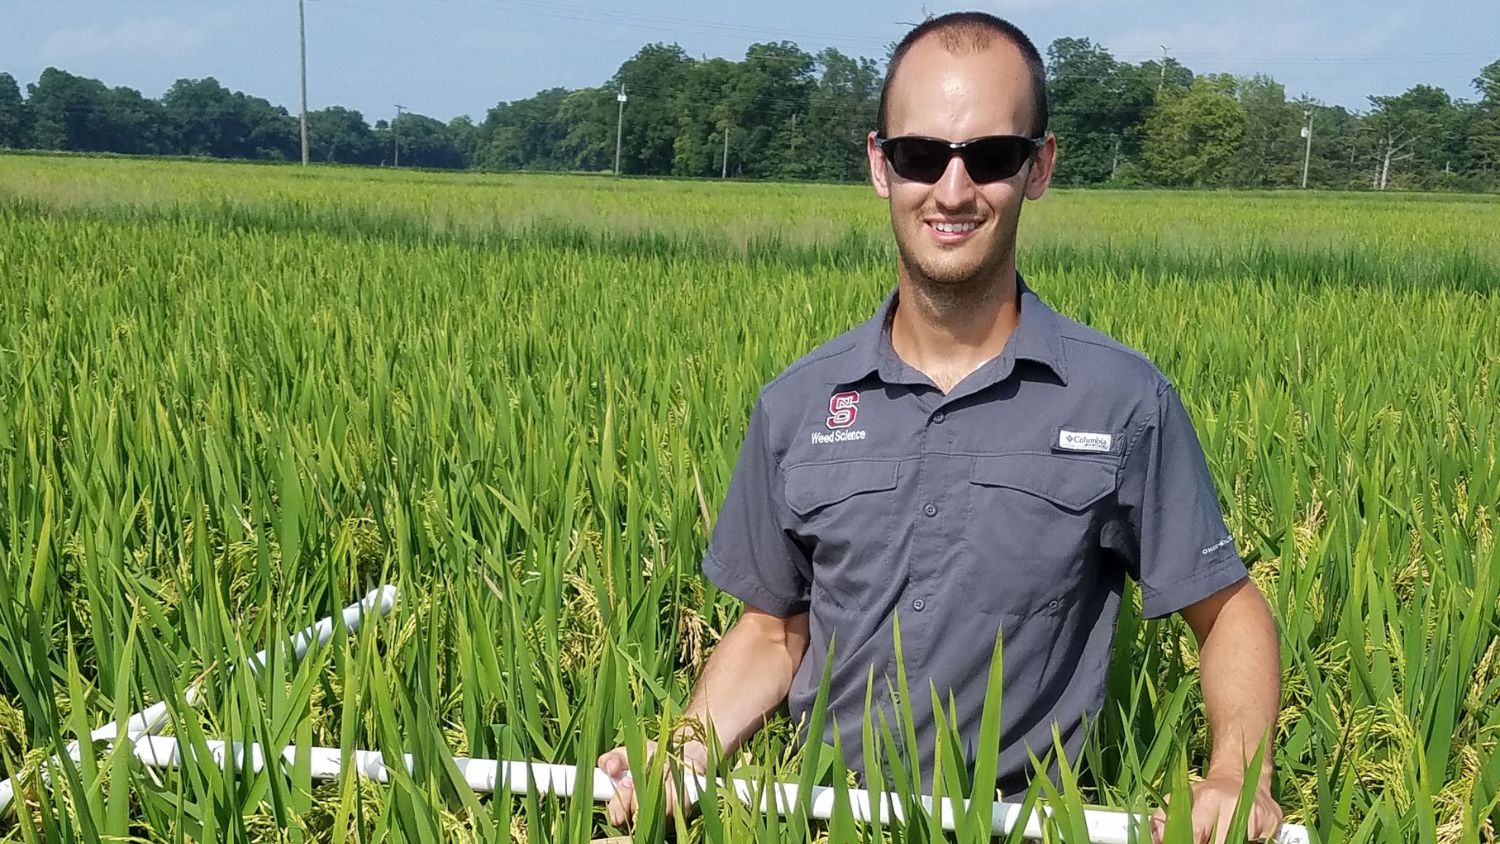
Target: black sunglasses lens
993 159
986 159
918 159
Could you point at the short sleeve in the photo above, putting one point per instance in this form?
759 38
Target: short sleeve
751 554
1170 531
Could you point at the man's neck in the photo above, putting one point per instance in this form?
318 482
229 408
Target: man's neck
947 332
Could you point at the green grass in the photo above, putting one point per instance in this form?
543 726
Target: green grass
234 398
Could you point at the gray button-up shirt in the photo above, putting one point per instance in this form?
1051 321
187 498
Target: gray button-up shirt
1019 501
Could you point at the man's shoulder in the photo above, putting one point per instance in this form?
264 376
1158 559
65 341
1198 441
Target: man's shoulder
814 371
803 390
1096 360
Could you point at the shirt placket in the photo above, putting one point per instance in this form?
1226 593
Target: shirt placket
934 505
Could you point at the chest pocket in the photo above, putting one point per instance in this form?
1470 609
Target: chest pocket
1033 519
844 514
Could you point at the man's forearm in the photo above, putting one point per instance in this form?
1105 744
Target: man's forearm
748 676
1240 670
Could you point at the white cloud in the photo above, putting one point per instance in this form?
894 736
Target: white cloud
152 38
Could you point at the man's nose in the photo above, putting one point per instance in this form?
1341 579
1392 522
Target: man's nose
955 189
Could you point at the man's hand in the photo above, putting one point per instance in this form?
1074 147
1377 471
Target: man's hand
622 807
1240 671
745 680
1214 801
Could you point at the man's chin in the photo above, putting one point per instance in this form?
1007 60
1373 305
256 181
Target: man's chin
951 276
952 271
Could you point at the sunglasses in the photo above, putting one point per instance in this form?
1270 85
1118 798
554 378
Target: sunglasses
988 159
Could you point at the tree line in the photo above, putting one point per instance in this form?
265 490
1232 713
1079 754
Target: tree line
785 113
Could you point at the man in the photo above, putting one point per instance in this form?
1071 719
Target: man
972 460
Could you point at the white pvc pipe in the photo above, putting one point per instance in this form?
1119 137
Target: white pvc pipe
151 719
489 775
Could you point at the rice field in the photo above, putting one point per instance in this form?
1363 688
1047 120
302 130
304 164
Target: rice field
233 398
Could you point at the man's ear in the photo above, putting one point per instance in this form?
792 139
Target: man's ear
878 175
1040 175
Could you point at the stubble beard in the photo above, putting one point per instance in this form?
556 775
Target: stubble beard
948 287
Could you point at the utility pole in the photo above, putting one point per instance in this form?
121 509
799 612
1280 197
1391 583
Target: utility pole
1114 165
396 134
1162 80
724 171
794 134
1307 152
619 126
302 43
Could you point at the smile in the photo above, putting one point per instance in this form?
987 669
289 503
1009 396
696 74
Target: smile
949 233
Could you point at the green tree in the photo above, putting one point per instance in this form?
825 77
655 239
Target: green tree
1271 155
524 134
76 113
1195 139
1166 79
1484 145
466 137
1335 162
273 132
1097 105
137 124
15 117
69 112
1487 83
767 94
1407 136
340 136
652 79
1482 139
206 118
701 116
587 118
424 141
841 111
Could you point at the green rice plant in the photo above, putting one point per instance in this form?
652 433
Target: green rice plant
234 398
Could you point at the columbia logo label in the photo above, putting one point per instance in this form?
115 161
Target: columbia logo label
1084 441
1216 546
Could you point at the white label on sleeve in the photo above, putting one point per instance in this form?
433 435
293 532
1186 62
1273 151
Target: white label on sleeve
1216 546
1084 441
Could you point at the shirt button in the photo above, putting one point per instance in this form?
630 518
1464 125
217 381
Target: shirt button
930 510
938 417
919 605
1053 605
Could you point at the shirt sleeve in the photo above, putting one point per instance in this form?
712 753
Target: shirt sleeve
1171 532
751 553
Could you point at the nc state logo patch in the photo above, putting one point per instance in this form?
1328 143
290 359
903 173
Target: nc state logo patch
842 409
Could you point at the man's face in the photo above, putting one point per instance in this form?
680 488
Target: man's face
958 232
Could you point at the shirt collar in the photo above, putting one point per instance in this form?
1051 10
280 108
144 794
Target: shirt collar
1036 338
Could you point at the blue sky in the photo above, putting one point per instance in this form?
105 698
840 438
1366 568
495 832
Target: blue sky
450 57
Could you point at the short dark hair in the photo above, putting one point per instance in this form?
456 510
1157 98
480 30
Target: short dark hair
973 32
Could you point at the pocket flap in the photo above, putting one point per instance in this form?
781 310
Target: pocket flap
815 485
1074 483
